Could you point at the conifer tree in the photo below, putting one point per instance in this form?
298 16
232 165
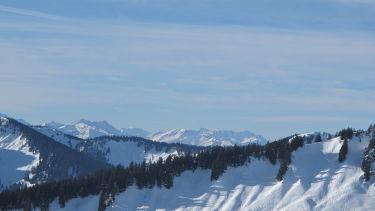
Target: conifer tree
343 151
318 138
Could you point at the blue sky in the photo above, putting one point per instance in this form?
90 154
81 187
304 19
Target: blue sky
272 67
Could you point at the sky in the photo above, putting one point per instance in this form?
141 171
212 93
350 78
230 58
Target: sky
272 67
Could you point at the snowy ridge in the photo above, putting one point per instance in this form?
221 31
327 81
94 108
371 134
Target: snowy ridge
315 180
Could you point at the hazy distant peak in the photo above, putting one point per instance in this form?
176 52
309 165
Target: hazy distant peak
207 137
53 124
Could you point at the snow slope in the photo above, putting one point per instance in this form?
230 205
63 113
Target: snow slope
206 137
315 180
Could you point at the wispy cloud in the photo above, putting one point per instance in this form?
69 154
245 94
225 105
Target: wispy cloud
31 13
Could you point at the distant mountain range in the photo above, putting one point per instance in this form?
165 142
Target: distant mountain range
203 137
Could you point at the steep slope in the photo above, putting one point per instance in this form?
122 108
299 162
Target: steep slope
206 137
315 180
30 157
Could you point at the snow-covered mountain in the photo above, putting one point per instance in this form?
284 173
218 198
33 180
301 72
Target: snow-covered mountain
314 180
28 157
86 129
322 171
206 137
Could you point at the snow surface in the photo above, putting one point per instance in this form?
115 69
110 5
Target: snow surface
315 180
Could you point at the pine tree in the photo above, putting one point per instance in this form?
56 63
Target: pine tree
371 127
102 200
343 151
286 160
218 167
318 138
296 142
366 168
